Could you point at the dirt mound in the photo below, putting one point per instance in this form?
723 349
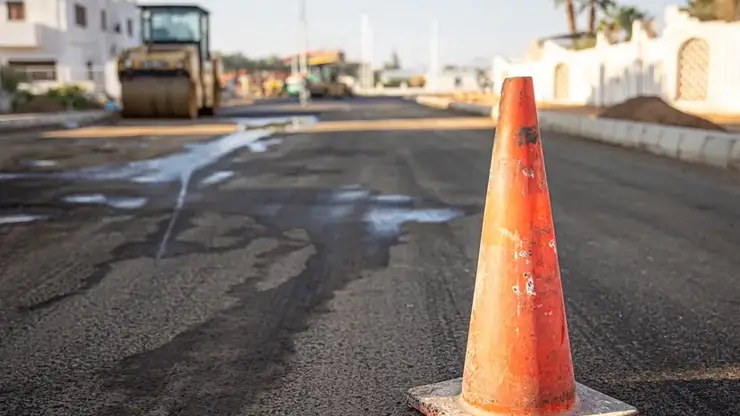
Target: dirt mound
652 109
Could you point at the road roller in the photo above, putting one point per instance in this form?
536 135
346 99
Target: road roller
329 71
328 74
173 73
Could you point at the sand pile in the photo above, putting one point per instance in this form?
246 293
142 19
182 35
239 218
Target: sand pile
652 109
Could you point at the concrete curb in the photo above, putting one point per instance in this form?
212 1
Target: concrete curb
718 149
472 108
19 122
434 102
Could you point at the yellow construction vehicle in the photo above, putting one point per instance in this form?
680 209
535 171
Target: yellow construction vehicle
327 75
173 74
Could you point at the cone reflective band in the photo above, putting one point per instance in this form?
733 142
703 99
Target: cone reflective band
518 359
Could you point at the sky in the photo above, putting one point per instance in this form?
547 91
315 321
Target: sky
471 31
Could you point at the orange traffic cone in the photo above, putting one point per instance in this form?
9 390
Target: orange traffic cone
518 359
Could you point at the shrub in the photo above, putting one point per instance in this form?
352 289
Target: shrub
10 79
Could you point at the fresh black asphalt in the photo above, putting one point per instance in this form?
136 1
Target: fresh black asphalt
326 273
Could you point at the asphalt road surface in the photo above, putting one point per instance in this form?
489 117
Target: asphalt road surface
325 272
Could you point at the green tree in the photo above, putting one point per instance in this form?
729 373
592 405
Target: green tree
10 79
237 61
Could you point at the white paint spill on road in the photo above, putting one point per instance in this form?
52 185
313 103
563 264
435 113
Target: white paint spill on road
21 218
261 146
217 177
350 195
341 203
100 199
175 167
179 203
11 176
168 168
258 122
393 198
197 158
387 221
171 168
39 163
384 215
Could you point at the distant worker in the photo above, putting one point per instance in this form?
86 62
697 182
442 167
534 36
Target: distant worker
244 84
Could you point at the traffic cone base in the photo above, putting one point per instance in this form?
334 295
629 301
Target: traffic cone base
444 399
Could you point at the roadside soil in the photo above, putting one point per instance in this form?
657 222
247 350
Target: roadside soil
649 109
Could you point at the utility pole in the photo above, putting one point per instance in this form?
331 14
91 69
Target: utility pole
304 54
434 53
2 92
370 58
365 68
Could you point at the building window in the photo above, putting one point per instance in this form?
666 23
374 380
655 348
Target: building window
90 72
130 27
35 70
103 20
117 28
80 16
16 11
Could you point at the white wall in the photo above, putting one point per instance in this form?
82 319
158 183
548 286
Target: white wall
446 81
43 16
611 73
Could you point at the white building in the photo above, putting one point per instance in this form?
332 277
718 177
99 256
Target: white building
693 65
58 42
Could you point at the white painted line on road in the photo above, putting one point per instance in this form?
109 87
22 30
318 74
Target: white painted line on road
21 218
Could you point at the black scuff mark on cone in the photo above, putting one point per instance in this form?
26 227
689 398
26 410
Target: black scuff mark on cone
527 135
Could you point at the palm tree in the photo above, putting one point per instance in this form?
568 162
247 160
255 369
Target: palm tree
726 10
622 18
594 7
570 10
701 9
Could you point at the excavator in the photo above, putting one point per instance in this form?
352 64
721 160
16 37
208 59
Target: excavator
174 73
